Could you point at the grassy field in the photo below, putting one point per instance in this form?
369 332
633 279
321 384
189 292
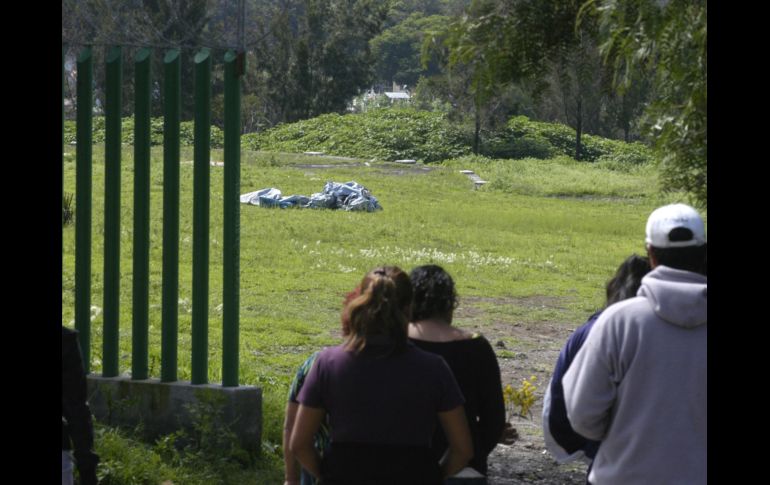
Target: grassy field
539 228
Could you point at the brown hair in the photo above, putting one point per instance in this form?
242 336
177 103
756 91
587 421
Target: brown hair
383 307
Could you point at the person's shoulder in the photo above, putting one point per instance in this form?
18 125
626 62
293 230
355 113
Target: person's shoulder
332 353
312 357
622 313
69 337
625 307
479 342
413 351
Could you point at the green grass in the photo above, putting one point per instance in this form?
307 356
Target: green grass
530 232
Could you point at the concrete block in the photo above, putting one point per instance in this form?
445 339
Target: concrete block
165 407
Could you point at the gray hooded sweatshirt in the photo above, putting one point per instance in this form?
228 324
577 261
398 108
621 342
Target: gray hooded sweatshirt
638 384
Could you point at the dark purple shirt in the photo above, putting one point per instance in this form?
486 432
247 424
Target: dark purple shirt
371 398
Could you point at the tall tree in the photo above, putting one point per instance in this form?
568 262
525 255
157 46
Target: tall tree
397 50
314 55
667 39
513 41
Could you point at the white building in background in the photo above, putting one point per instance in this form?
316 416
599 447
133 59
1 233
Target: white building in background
398 92
393 96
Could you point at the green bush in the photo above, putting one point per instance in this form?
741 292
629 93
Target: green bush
402 132
384 133
186 132
208 453
534 138
504 145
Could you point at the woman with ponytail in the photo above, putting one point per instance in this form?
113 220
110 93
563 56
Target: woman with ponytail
382 396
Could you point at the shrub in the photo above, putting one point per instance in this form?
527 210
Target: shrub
186 132
504 145
536 138
67 211
385 133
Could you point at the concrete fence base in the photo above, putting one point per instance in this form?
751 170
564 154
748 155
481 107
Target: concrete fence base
164 407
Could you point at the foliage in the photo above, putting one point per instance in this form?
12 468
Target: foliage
522 398
397 50
313 56
67 210
538 46
386 134
126 460
668 40
547 139
208 454
186 132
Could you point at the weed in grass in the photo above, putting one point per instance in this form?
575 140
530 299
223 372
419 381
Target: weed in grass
68 209
521 398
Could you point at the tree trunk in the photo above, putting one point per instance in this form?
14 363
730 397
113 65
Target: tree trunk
477 131
579 129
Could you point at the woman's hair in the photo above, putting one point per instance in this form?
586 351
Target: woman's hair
434 293
345 316
627 279
381 308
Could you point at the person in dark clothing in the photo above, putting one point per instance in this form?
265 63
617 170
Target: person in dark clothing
471 359
76 425
561 440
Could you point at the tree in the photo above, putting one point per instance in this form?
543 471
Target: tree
667 39
397 50
314 55
525 41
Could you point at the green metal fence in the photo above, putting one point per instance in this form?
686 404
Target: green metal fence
233 71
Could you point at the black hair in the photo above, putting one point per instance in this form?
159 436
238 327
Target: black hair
690 258
433 293
627 279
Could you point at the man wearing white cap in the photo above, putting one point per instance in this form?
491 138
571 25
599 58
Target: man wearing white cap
638 384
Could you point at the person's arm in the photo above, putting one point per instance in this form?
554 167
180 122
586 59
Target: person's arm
561 440
292 470
75 409
590 387
458 437
301 444
491 403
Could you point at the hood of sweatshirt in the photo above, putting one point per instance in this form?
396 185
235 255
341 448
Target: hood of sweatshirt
676 296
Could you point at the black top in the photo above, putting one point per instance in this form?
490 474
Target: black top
76 424
475 367
378 464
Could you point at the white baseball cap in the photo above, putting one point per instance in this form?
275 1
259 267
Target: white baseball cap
665 219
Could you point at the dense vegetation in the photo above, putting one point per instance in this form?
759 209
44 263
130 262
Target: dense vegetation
404 133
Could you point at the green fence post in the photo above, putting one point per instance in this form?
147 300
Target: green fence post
170 303
83 189
201 184
141 268
112 146
231 240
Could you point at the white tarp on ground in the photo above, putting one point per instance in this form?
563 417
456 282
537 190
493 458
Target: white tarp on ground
350 196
